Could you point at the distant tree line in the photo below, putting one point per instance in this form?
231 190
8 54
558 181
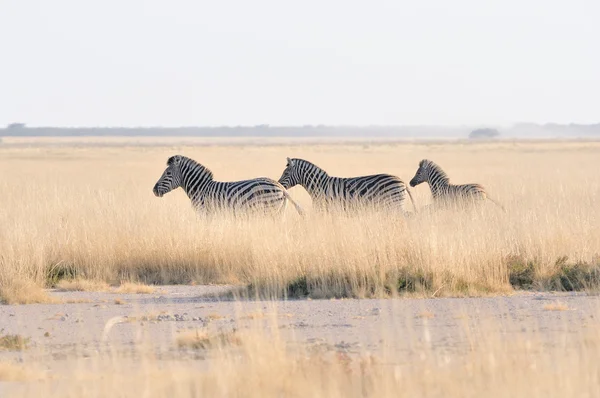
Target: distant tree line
486 133
264 130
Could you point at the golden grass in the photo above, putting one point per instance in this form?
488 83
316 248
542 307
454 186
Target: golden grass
92 215
137 288
88 285
557 306
200 339
13 372
82 285
78 301
425 314
254 315
14 342
23 291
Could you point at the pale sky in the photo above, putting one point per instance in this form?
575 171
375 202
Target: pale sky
247 62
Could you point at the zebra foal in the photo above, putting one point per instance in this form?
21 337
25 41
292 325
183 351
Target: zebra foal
262 195
377 191
442 191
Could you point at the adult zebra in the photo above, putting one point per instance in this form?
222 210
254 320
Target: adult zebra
445 193
378 191
262 195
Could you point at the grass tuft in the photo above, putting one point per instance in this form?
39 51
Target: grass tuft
203 340
558 306
82 285
14 342
137 288
23 291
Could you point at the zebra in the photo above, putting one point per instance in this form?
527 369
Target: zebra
379 190
207 195
442 191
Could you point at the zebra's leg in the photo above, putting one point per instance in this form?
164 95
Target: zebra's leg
430 208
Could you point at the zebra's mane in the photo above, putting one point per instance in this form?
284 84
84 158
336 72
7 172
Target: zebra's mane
301 162
435 169
193 166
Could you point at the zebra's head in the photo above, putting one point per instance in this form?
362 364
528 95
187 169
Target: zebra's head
291 175
422 174
170 179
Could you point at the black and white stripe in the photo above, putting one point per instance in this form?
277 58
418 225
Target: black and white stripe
378 191
259 194
442 191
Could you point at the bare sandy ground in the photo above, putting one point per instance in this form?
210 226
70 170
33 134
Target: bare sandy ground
60 332
76 336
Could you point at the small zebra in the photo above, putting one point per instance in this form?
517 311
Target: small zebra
380 190
260 194
442 191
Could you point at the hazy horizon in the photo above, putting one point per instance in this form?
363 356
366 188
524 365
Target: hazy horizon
298 126
383 63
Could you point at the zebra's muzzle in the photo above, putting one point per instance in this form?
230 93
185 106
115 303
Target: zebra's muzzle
157 192
413 183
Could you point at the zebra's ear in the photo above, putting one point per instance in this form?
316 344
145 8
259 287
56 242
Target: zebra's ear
290 162
173 160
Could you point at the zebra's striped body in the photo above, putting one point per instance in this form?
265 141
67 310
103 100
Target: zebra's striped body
378 191
258 195
442 191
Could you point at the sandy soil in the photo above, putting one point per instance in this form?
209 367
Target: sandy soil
63 332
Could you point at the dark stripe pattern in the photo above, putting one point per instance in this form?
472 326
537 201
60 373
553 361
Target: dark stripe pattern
208 195
379 191
441 189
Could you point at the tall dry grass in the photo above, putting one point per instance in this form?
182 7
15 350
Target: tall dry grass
88 212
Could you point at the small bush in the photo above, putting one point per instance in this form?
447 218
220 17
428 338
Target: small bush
59 271
575 276
521 273
564 276
410 281
298 288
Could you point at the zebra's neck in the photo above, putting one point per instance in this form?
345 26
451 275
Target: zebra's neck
313 179
438 180
195 179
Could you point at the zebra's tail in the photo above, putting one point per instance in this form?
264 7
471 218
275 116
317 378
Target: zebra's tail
496 203
296 205
412 200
